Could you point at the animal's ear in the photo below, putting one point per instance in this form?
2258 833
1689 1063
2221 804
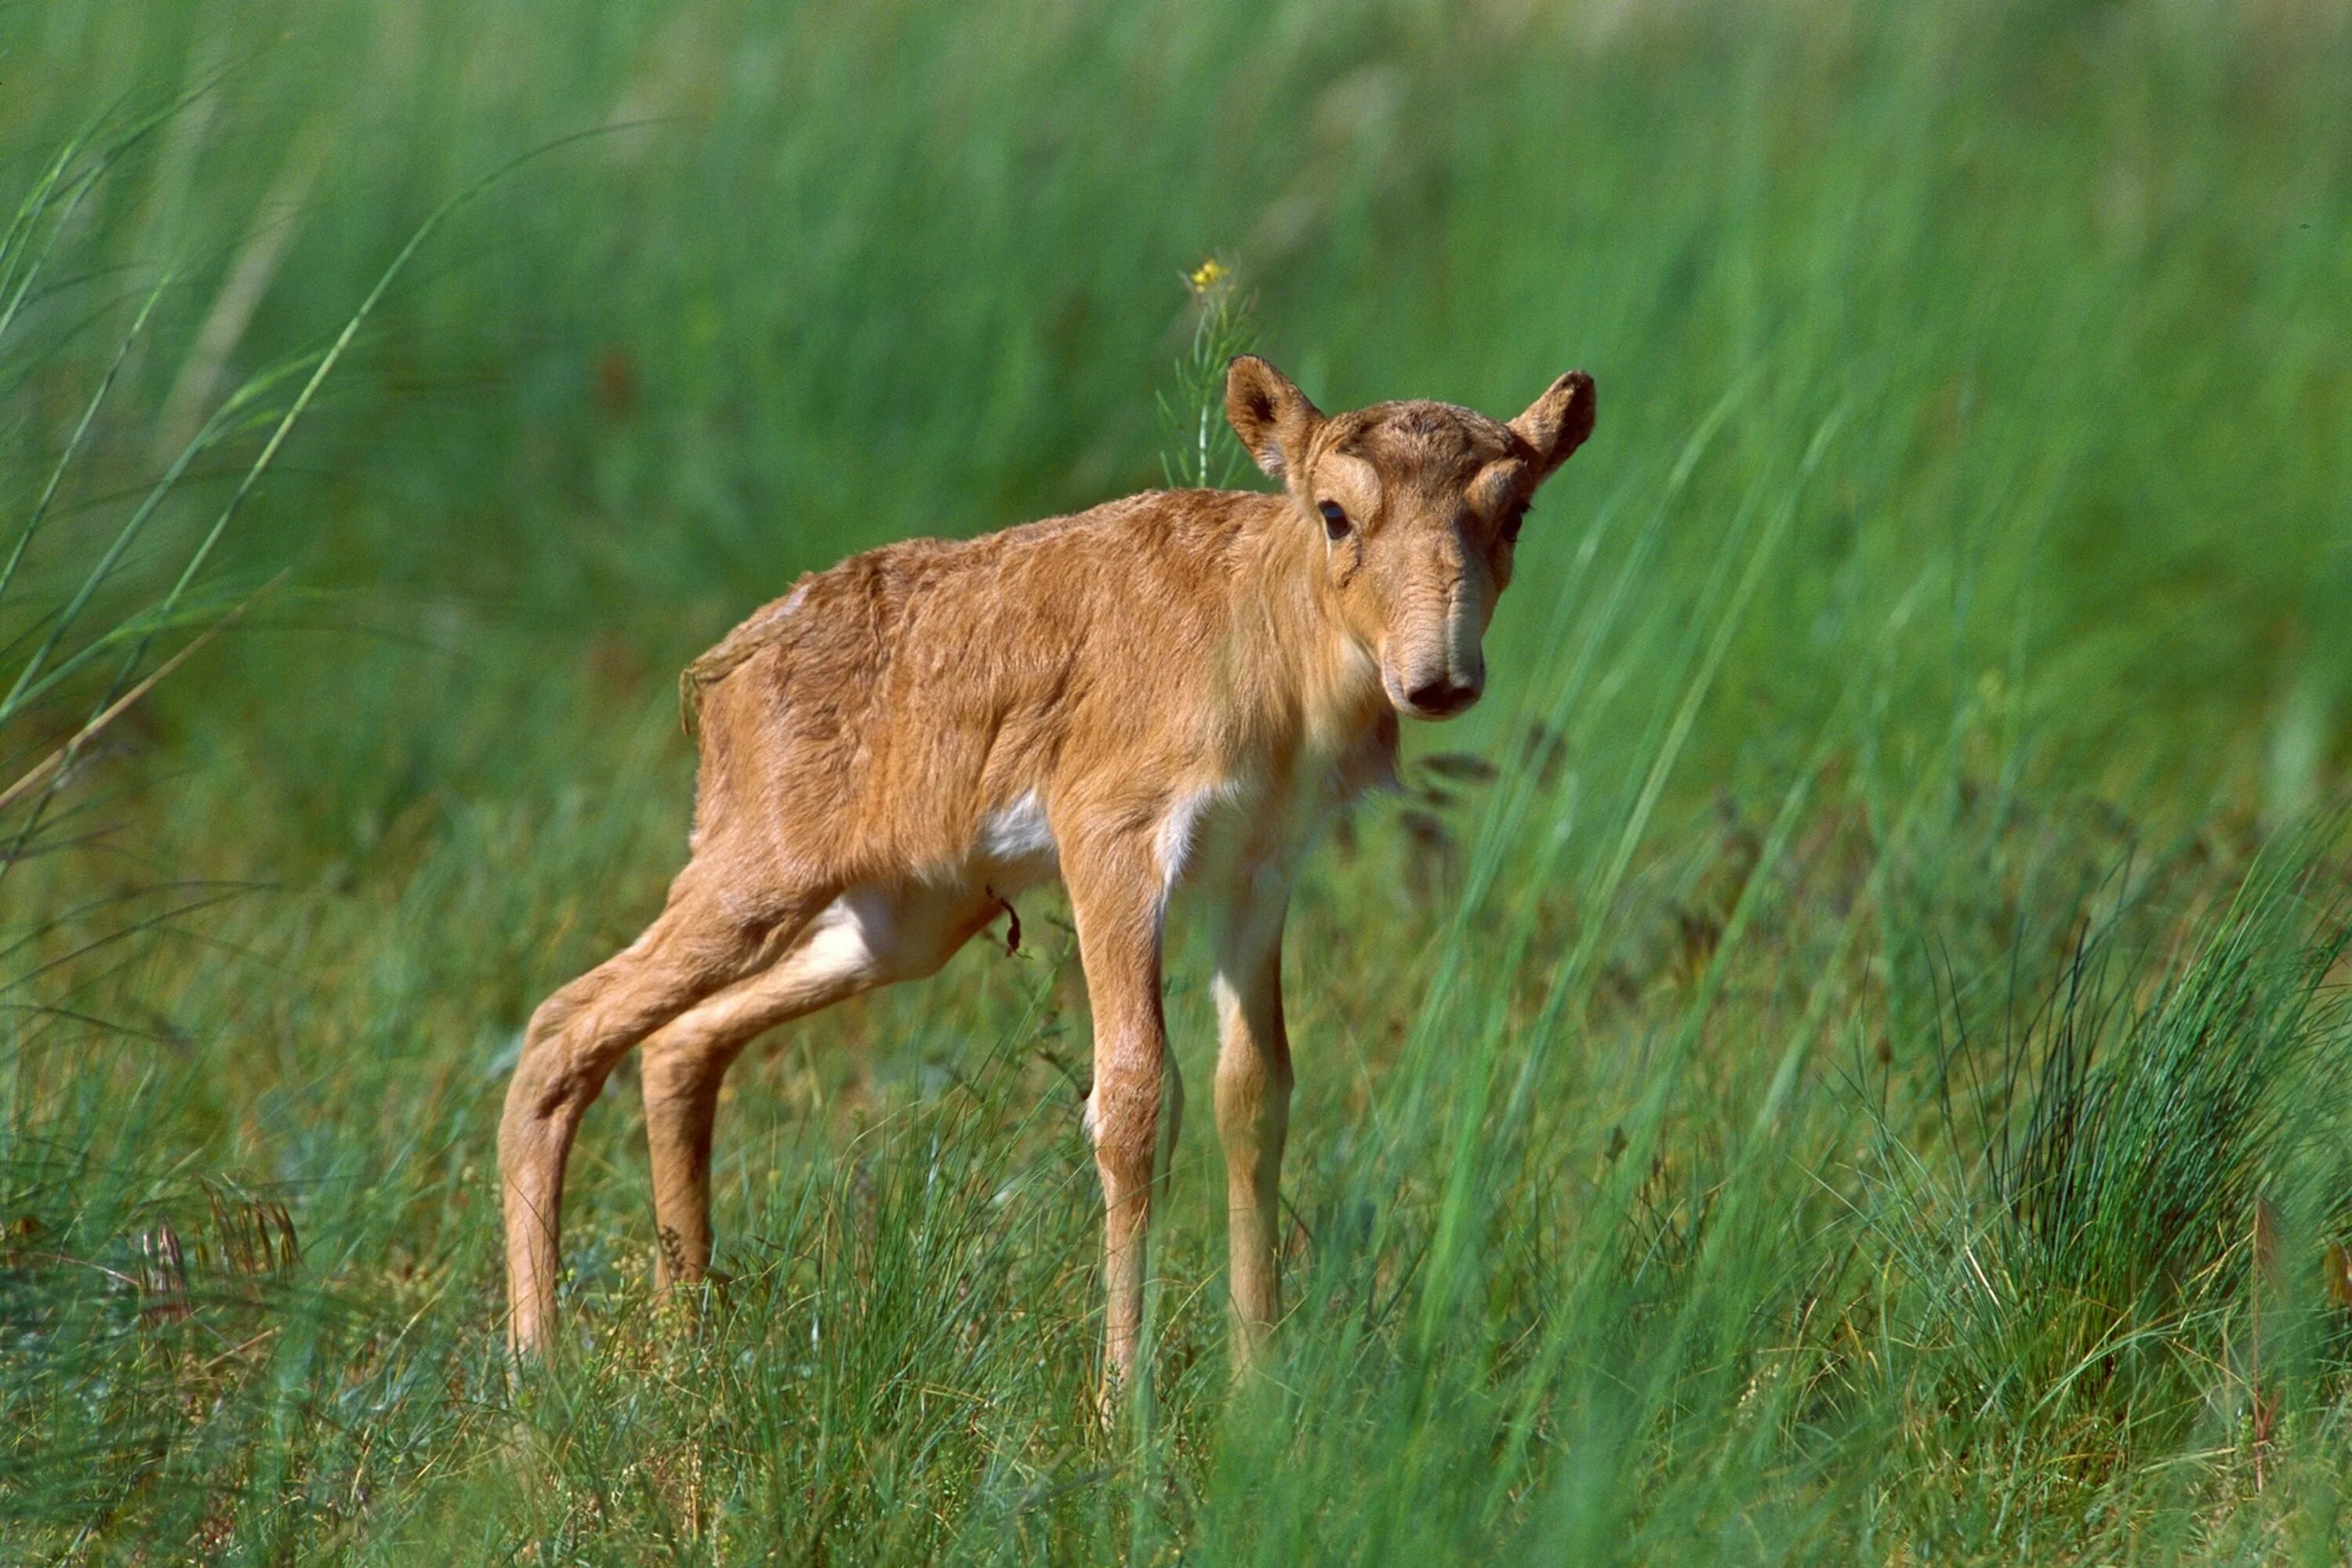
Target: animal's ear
1556 424
1272 417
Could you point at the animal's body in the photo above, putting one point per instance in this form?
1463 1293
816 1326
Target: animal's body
1169 692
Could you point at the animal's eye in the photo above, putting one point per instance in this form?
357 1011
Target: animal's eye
1335 521
1517 515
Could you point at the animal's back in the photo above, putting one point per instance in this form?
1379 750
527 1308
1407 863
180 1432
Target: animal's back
875 715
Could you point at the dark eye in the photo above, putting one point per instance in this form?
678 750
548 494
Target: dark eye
1511 521
1335 521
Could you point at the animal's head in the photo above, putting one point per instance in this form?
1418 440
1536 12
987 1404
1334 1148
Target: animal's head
1418 505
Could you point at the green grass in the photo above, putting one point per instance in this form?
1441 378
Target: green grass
1857 1074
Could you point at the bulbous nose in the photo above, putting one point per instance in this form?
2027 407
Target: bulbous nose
1441 696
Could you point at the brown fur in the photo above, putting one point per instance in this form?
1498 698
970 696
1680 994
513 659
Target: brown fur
1169 689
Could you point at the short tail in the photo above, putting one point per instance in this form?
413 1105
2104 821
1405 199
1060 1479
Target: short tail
731 652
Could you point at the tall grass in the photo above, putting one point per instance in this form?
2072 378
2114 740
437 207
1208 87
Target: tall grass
1837 1057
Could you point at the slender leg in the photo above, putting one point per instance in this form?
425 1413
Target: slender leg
695 948
865 938
1253 1083
681 1087
1117 894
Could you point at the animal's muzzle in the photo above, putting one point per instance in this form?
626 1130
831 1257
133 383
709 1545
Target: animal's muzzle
1442 670
1443 697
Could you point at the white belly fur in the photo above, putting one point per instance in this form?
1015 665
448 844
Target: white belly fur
1217 825
1016 848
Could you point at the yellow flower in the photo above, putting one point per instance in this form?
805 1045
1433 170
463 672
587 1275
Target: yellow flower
1208 275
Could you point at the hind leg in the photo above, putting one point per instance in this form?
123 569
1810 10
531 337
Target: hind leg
701 943
869 936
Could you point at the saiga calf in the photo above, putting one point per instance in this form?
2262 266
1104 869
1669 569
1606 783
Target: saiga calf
1171 689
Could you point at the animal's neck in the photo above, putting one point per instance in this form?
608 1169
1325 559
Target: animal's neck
1319 683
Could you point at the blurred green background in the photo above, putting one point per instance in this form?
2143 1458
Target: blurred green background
1963 565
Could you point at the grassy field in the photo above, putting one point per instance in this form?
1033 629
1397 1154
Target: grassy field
1840 1058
